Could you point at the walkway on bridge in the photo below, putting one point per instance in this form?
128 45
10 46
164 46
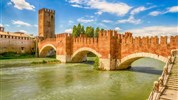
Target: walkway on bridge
171 90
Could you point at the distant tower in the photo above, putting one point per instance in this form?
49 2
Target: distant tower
46 23
1 29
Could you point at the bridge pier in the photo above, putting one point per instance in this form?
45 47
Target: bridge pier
63 58
107 64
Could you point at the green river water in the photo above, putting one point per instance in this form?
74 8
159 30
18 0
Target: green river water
78 81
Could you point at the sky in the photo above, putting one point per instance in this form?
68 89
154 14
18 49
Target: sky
141 17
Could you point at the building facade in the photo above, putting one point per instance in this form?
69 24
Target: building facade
17 42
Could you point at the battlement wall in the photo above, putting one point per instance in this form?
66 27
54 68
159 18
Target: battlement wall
110 44
156 45
47 10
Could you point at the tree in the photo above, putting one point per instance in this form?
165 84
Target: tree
79 29
74 32
102 29
82 30
89 31
96 32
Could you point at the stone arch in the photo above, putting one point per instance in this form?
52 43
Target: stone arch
79 55
44 50
126 61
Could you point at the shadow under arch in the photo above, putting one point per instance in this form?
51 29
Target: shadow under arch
126 62
81 54
45 50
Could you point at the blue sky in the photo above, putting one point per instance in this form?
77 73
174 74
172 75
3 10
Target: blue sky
141 17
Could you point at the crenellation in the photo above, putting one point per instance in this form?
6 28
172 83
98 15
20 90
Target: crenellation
163 40
173 42
154 40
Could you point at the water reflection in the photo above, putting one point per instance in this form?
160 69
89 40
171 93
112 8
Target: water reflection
149 70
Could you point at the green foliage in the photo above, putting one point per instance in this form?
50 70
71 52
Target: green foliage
89 31
96 64
82 30
90 54
102 29
13 55
74 32
79 28
97 32
45 61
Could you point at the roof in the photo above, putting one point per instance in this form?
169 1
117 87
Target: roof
21 34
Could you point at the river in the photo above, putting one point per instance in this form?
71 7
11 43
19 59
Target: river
78 81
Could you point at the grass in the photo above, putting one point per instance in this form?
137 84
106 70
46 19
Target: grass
12 55
27 61
46 61
12 59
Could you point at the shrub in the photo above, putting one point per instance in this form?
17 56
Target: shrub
96 63
44 61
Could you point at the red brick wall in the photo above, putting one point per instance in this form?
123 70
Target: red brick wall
132 45
110 44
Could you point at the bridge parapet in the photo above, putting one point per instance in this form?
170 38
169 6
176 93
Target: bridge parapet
159 46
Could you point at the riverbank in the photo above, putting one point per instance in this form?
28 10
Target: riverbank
26 61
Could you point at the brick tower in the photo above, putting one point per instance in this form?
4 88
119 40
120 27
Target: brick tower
46 23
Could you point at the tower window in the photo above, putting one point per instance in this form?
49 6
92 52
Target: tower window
52 17
22 48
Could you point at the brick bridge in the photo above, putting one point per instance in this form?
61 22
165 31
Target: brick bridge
116 51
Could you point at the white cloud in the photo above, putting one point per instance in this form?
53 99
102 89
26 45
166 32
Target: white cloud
107 21
155 31
91 16
120 9
20 23
155 13
23 31
6 25
117 28
131 20
140 9
35 25
75 1
99 13
82 20
9 3
68 30
1 25
173 9
76 5
22 4
137 10
71 22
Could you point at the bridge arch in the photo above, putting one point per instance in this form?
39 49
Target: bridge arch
79 55
126 61
45 49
